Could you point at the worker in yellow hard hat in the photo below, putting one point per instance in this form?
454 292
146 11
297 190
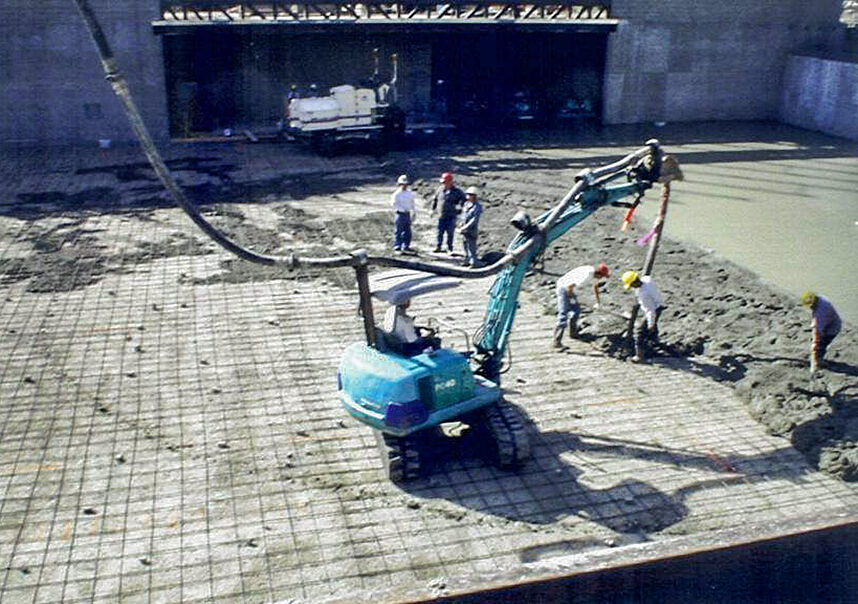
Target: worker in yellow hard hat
652 305
825 323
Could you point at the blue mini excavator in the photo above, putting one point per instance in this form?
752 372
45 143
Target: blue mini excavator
406 397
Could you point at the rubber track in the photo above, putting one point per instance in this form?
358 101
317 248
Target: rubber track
506 428
401 455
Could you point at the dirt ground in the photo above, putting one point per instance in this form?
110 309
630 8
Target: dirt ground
756 336
171 427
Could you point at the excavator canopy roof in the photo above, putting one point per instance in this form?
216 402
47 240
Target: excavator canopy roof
398 286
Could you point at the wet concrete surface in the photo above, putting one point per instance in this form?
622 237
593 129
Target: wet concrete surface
170 428
776 209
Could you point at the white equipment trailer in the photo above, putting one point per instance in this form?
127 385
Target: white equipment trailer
347 113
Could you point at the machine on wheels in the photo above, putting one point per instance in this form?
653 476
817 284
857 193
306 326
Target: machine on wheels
348 113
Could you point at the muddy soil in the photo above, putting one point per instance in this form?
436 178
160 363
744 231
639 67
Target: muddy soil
722 322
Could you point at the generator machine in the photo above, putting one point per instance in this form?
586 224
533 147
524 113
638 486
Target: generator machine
347 113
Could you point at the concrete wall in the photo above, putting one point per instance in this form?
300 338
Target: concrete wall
674 60
670 60
821 95
52 86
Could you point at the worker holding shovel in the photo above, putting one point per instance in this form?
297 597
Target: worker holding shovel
652 305
826 324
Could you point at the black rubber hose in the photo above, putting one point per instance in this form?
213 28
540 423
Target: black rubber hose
120 87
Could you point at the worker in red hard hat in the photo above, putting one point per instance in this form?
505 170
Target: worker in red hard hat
568 308
450 199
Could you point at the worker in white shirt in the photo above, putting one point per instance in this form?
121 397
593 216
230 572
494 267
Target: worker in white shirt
652 305
568 308
402 202
401 326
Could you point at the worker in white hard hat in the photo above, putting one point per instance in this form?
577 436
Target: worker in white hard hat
652 305
405 211
471 213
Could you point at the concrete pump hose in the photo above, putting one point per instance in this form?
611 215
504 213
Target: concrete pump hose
120 87
117 81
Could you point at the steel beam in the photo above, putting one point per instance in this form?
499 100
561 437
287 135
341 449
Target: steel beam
218 11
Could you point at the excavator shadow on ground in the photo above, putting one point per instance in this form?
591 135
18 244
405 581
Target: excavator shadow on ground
558 482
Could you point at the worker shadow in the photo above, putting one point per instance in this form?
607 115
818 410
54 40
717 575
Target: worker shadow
734 367
726 368
573 476
840 367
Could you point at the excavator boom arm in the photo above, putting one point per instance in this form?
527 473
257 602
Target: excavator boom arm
492 338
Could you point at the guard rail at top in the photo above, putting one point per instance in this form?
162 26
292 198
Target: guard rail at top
464 10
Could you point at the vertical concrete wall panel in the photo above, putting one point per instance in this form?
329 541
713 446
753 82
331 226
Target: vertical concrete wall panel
736 50
821 95
54 88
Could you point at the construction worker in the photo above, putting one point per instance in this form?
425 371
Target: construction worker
825 324
402 202
401 326
568 308
450 199
470 226
652 305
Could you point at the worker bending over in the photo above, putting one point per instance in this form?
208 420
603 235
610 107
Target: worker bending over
652 305
568 308
825 324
